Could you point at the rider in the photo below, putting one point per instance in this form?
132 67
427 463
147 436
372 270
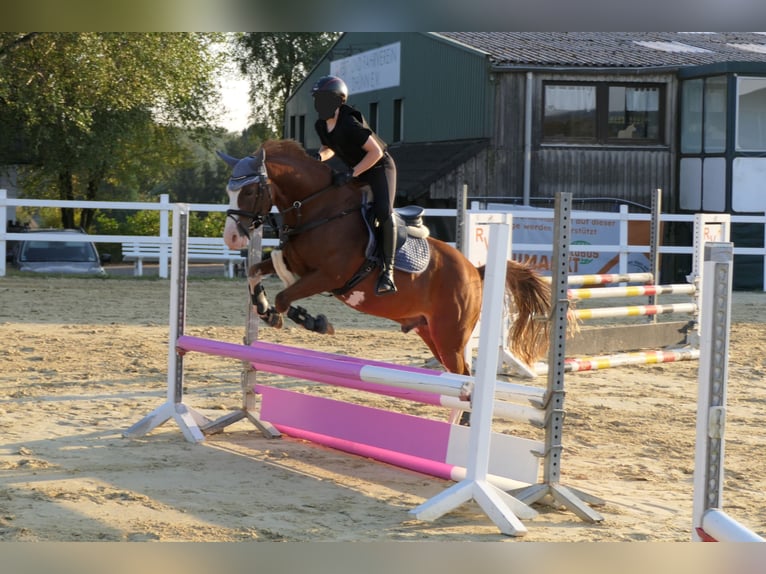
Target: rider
343 131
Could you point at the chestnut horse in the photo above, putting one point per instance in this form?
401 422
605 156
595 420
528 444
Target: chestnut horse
323 243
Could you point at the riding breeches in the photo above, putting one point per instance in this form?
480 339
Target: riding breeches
382 180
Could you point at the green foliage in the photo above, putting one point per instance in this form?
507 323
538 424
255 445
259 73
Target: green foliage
103 115
44 216
207 225
125 117
143 223
276 62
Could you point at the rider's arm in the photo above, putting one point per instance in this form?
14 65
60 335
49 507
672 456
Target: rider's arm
325 153
373 155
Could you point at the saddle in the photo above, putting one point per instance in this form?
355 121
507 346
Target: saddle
412 251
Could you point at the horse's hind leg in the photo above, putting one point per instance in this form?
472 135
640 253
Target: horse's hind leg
447 350
452 362
318 324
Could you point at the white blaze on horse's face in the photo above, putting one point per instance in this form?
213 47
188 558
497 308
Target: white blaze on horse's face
231 234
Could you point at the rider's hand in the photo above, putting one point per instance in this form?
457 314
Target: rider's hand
343 177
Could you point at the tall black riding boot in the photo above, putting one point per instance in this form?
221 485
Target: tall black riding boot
385 284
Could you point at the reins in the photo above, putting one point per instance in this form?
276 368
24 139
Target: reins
285 231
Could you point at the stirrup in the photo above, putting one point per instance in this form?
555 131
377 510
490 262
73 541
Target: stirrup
385 284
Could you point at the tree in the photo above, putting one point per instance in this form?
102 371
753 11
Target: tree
92 111
275 63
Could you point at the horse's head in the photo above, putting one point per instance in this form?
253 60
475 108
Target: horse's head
249 198
291 176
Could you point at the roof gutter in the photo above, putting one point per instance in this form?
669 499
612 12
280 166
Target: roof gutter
536 68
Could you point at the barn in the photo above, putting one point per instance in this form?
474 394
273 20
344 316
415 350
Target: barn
607 116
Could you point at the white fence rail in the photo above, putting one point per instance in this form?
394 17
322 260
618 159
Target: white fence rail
165 207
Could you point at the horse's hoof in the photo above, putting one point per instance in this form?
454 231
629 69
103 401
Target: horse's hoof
272 318
323 326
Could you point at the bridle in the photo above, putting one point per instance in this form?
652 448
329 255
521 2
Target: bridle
261 177
264 188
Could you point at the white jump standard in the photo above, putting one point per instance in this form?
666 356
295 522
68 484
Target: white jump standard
709 522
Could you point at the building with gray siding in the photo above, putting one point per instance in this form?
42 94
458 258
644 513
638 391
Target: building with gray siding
520 116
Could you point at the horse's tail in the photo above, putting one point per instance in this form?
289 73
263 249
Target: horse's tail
530 310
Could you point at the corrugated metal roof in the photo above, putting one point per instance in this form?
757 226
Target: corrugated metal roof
615 49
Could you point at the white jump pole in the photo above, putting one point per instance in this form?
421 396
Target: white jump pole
709 521
188 419
498 505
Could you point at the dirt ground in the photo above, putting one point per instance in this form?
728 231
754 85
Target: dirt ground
82 360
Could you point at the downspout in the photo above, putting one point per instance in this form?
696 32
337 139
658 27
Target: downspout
528 141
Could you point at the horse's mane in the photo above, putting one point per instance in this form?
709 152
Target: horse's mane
285 147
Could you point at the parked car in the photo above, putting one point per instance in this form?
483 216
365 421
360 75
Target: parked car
40 255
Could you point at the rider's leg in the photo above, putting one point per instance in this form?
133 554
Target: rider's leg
382 179
385 282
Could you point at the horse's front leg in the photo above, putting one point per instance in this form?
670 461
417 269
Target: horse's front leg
307 285
266 311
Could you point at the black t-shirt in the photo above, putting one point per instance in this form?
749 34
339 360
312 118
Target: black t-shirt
349 135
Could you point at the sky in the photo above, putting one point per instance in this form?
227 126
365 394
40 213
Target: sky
234 97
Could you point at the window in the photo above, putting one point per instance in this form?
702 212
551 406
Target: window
691 116
601 113
398 120
703 115
570 112
703 168
373 116
751 114
298 129
715 115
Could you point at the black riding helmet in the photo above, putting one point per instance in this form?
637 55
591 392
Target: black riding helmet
329 93
330 85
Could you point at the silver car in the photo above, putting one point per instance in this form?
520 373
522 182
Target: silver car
58 257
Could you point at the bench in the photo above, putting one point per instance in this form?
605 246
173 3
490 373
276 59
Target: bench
199 250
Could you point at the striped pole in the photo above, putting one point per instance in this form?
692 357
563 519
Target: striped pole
631 291
622 359
606 278
633 311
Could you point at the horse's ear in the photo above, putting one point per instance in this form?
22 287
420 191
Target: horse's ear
232 161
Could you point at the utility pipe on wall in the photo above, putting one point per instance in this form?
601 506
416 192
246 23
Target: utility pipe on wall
528 139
